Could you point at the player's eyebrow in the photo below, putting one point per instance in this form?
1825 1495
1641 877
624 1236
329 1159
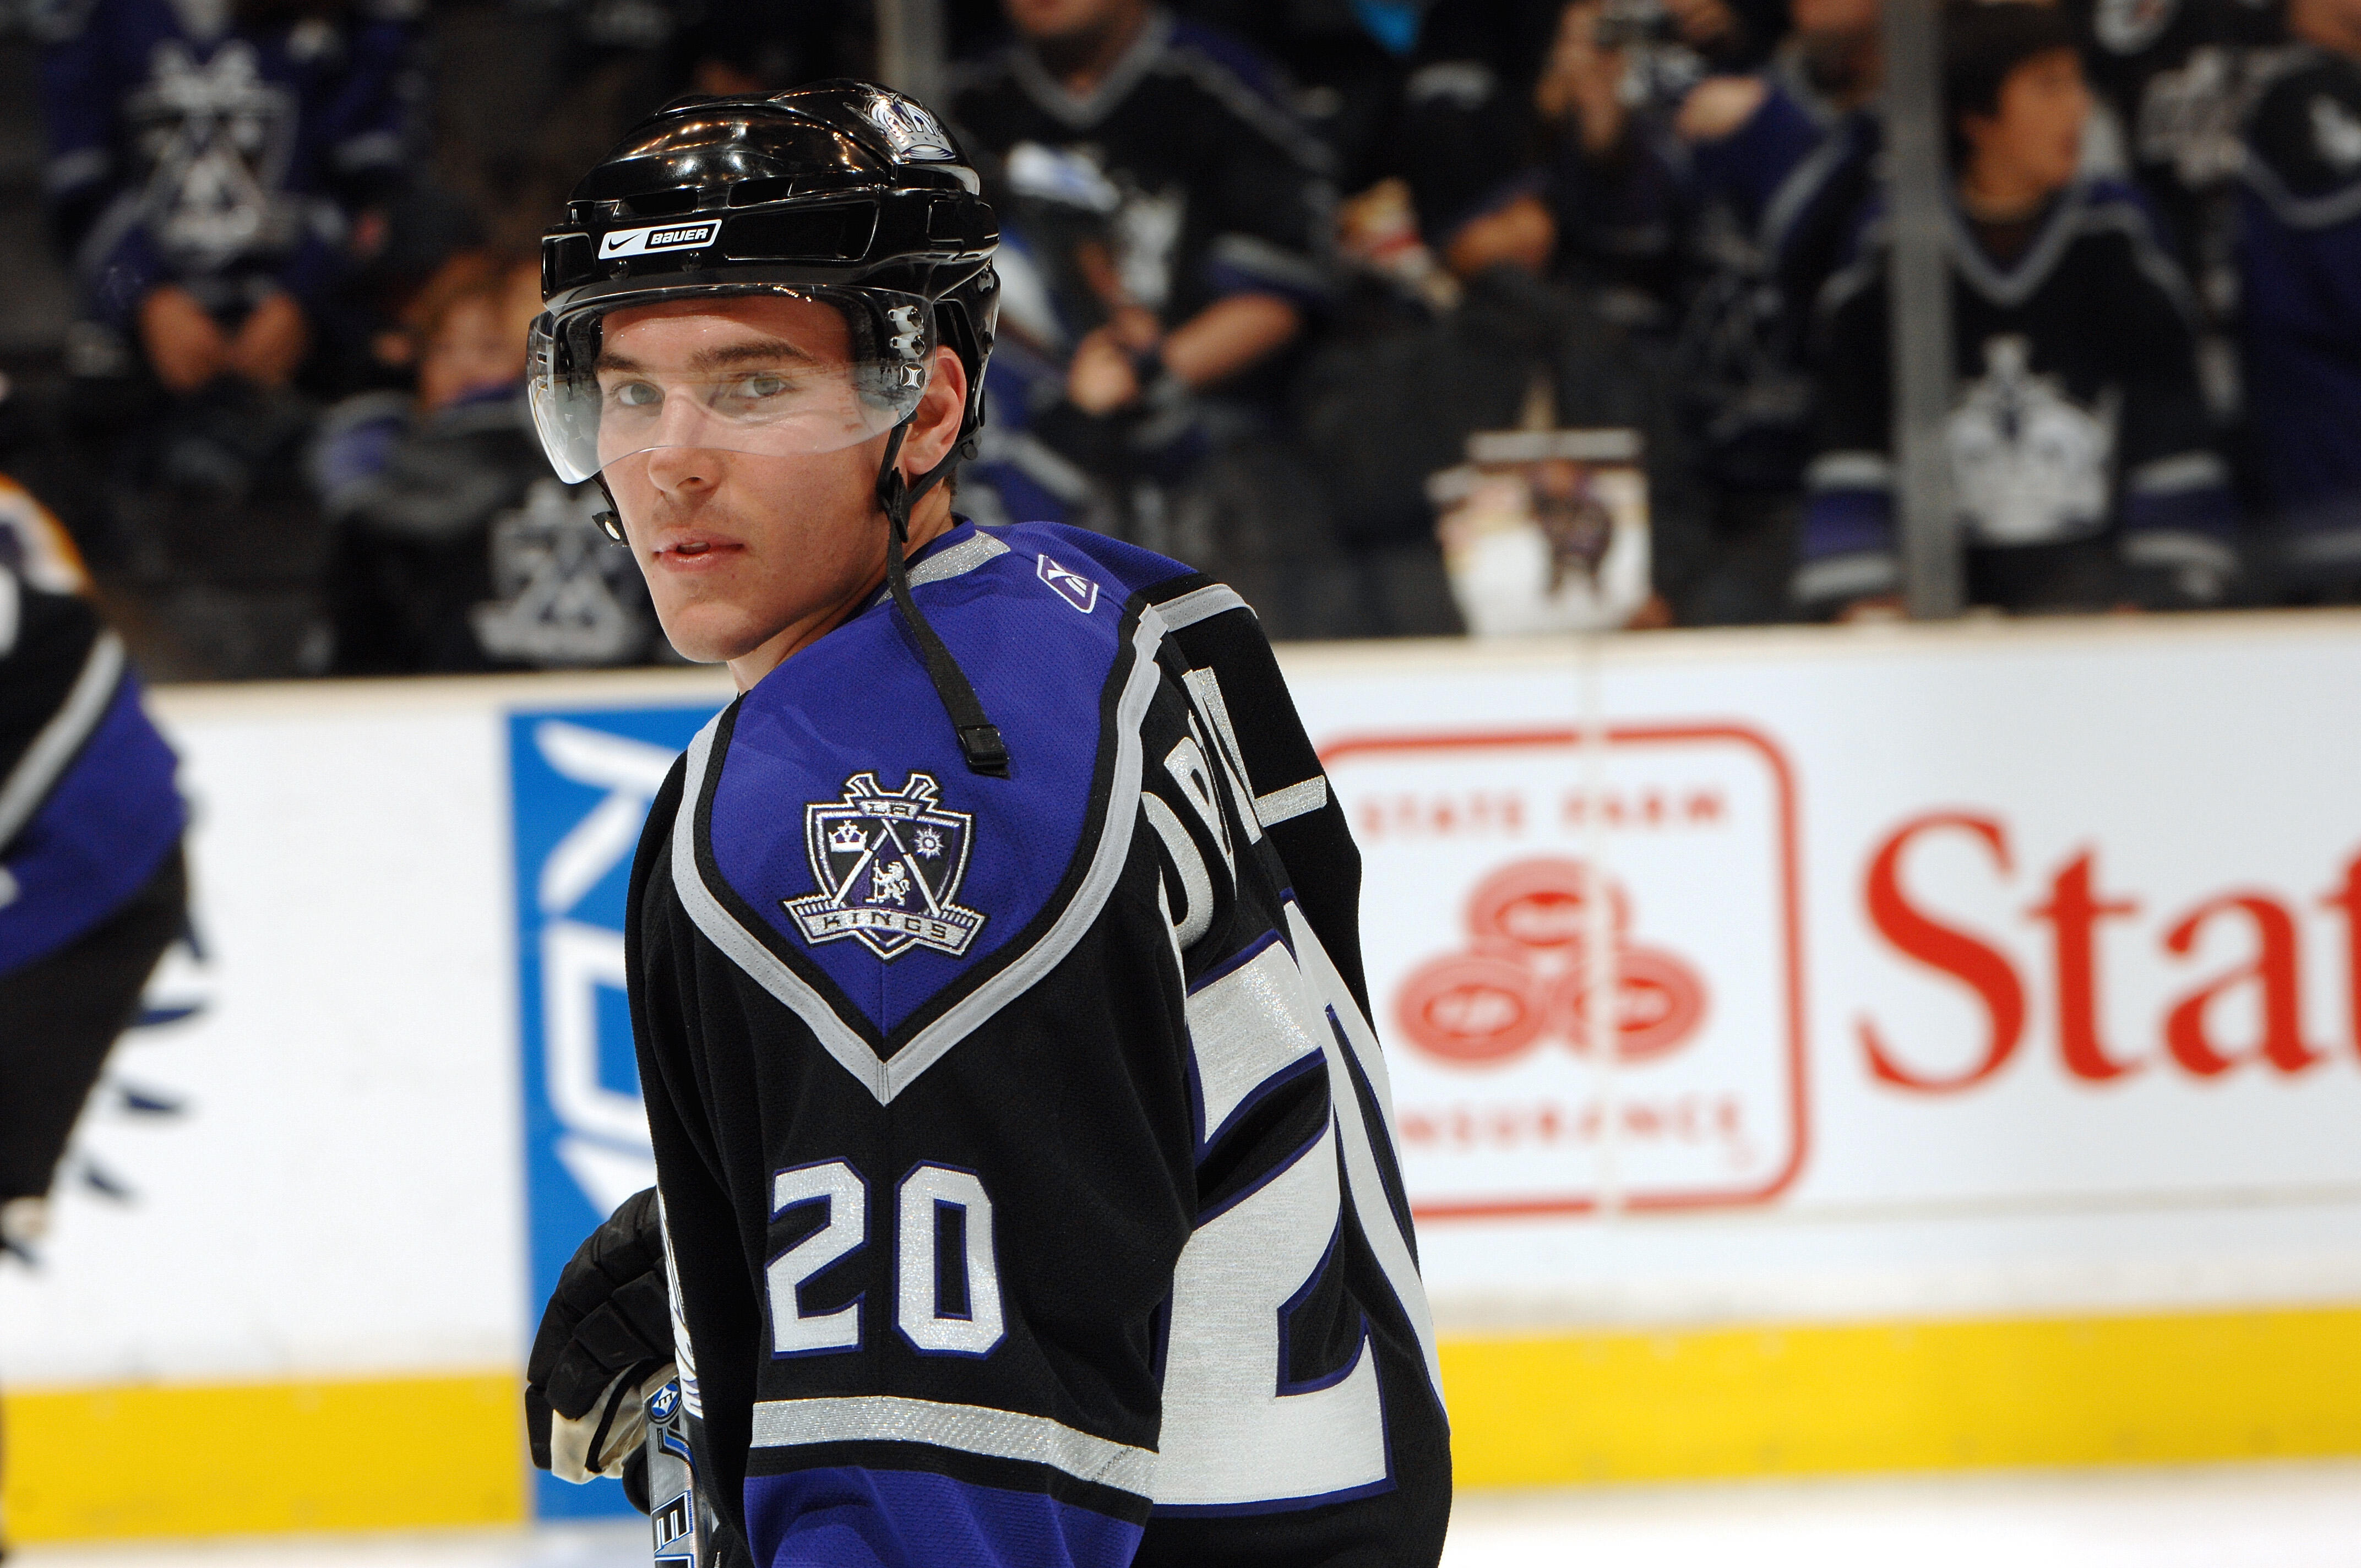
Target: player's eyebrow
721 356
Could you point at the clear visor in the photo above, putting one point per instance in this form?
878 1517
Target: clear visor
772 371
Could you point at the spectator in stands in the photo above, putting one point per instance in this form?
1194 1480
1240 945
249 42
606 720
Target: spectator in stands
2078 443
93 888
2301 217
1164 217
2171 77
1465 142
454 548
1344 65
1722 206
206 162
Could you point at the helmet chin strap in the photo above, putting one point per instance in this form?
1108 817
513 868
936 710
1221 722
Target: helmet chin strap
610 522
979 737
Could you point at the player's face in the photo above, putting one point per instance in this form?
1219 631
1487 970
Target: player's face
1834 18
2036 133
1047 19
744 550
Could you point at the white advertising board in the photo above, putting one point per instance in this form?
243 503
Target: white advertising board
2005 968
1984 969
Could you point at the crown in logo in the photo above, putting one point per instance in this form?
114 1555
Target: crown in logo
847 840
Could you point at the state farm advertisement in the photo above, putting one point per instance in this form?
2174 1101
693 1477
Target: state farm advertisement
1488 982
2031 952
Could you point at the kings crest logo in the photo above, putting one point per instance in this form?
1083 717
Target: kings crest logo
888 866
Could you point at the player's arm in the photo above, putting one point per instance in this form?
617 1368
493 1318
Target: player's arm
717 1333
1301 1421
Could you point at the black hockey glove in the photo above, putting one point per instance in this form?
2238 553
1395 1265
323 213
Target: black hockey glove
604 1336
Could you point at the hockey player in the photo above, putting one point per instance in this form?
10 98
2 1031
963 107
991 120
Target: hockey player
2078 441
91 890
2301 220
1023 1150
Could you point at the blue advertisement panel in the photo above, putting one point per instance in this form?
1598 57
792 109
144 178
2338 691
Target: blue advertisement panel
581 780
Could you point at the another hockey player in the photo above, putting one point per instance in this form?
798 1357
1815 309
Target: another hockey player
2078 442
2301 245
1024 1149
91 890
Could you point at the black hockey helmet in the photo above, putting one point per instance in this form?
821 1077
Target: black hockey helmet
841 191
838 193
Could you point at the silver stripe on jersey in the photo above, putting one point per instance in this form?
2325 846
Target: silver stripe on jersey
886 1078
1849 471
12 603
1850 576
1246 1029
62 736
2177 475
1296 800
1200 604
967 1429
959 560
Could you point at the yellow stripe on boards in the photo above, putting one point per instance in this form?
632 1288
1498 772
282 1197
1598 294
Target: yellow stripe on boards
1526 1410
245 1458
1532 1410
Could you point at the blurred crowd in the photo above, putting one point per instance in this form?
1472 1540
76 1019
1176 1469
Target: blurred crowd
1269 266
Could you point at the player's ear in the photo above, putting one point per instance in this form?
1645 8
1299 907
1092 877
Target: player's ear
934 428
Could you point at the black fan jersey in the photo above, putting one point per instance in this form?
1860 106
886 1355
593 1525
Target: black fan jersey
88 807
2078 415
1026 1152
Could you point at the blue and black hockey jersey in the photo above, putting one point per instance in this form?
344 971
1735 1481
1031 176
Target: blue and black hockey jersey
2077 420
88 807
1025 1149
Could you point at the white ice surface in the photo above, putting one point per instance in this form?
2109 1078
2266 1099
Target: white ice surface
2248 1516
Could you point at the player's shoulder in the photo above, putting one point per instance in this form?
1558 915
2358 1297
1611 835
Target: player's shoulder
829 819
1037 621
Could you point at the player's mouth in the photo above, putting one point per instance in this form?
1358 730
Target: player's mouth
695 552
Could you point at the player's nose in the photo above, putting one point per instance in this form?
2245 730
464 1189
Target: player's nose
678 470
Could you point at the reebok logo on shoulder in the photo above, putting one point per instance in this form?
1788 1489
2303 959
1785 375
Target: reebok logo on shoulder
1071 586
676 237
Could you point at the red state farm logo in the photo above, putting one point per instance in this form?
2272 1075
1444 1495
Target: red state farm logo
1526 977
1505 876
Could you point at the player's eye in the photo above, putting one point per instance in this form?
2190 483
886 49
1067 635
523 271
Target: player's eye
635 394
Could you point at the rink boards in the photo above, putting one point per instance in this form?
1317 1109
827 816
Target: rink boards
1988 1010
